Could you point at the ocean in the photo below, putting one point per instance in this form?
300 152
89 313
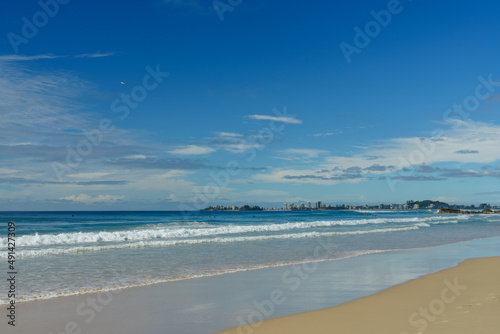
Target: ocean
68 253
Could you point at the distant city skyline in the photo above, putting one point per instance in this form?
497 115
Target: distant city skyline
409 205
177 105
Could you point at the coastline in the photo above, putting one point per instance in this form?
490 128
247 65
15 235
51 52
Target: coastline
212 304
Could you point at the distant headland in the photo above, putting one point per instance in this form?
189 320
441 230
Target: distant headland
467 212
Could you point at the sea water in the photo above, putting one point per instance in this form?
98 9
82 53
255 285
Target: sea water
66 253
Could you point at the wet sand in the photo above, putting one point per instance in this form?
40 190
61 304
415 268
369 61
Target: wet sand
460 300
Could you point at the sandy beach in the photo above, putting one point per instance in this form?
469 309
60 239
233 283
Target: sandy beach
463 299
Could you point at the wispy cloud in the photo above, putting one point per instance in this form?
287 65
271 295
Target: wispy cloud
234 142
158 163
15 57
417 178
39 101
136 156
192 150
43 118
303 153
25 181
326 134
229 134
241 147
282 119
469 173
467 152
21 58
96 55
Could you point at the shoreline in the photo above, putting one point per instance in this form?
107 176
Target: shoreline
212 304
113 289
454 300
200 276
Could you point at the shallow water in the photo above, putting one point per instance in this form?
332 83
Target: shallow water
65 253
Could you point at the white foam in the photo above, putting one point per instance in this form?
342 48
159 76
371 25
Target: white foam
166 243
175 232
382 211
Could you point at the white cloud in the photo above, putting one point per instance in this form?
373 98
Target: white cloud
229 134
136 157
192 150
404 152
396 154
283 119
82 198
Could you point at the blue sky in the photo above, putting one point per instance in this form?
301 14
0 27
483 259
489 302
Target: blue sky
254 102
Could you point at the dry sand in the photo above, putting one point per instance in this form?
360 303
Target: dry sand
461 300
